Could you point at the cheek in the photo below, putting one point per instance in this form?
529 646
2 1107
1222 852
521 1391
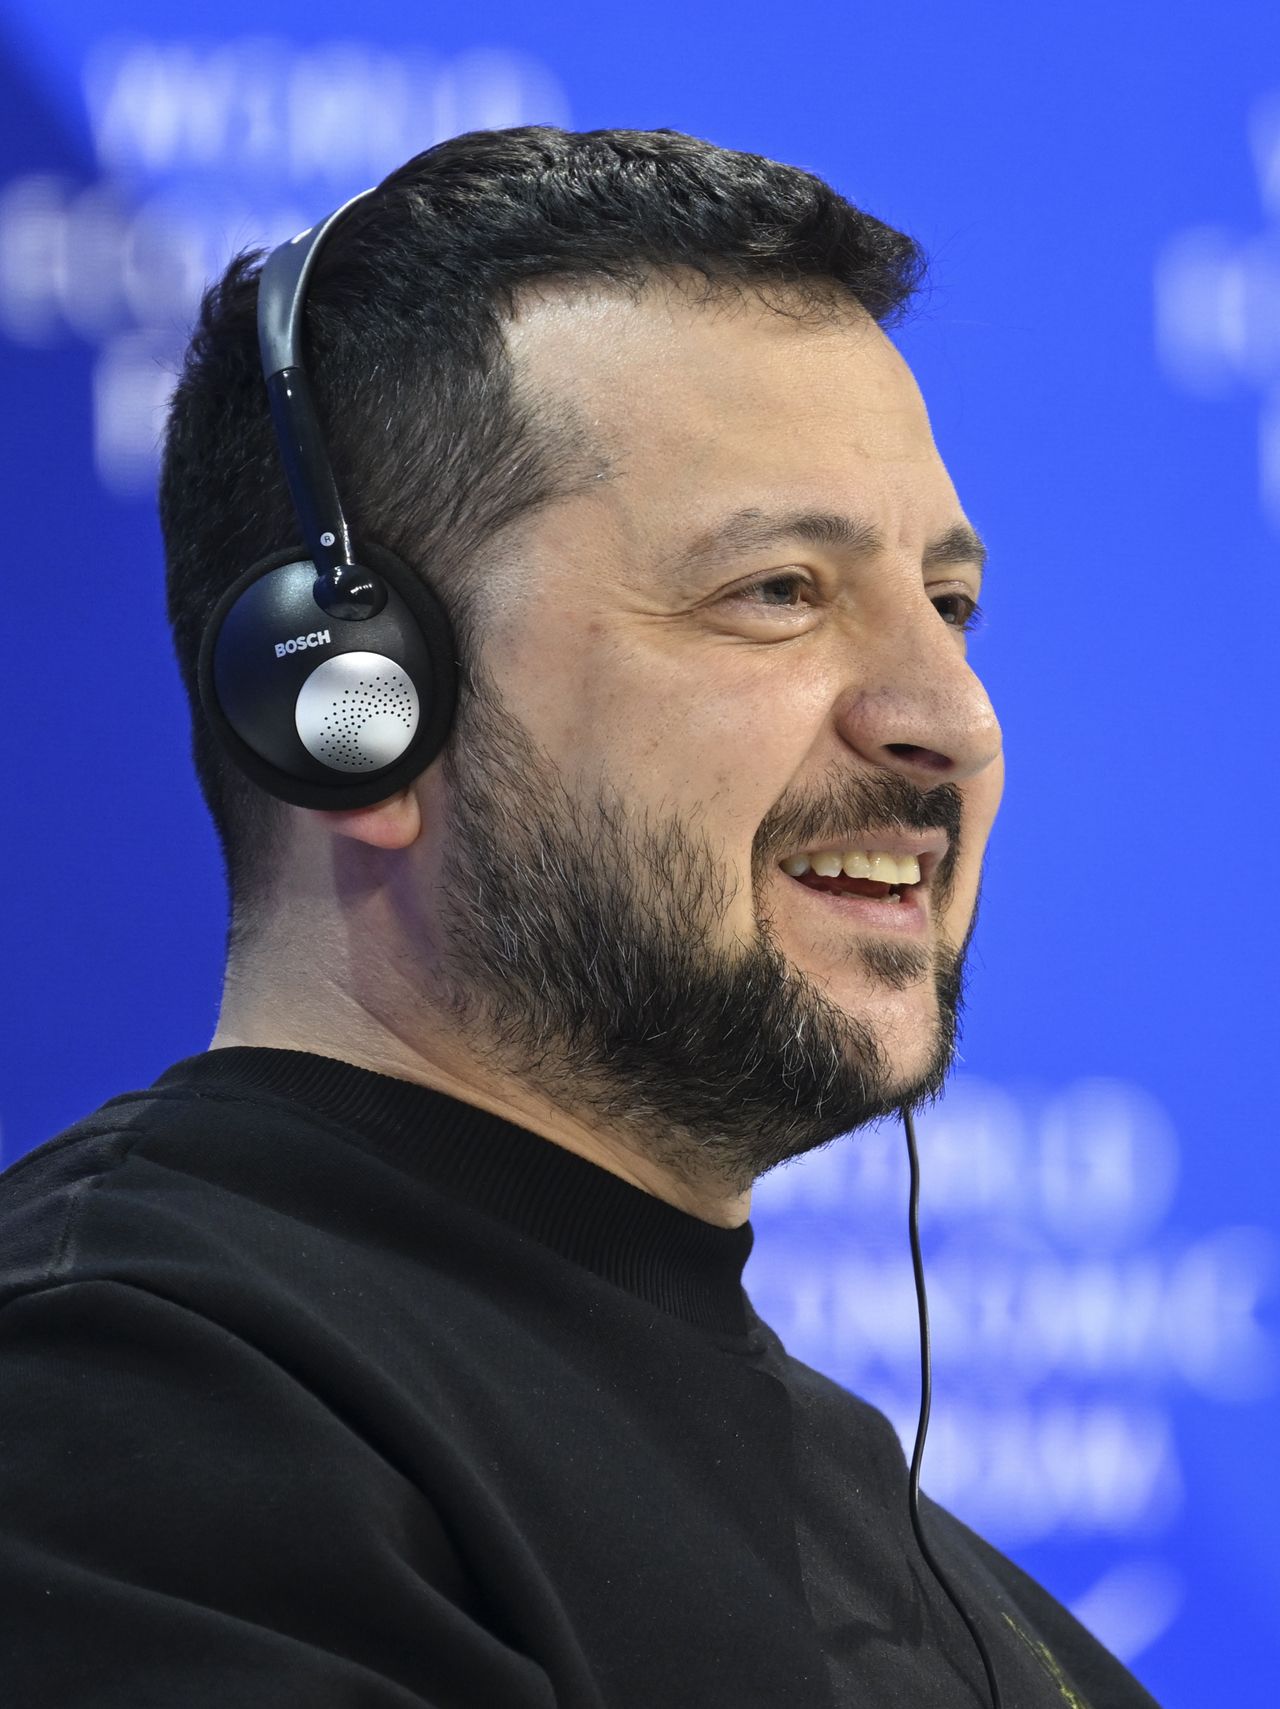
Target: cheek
696 731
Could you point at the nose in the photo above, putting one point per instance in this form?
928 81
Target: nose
914 704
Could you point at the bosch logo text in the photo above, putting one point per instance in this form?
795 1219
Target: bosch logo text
317 638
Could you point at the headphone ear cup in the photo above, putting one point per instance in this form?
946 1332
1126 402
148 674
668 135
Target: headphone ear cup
322 711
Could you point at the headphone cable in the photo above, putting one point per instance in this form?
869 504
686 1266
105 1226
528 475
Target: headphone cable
926 1399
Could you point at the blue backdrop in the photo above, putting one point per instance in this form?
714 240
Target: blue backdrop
1099 188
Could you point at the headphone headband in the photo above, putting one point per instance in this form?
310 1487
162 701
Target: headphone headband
282 292
282 297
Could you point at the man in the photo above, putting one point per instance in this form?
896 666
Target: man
394 1351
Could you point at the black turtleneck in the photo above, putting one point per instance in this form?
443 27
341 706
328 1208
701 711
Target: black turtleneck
319 1388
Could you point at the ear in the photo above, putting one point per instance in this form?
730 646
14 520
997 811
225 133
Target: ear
391 824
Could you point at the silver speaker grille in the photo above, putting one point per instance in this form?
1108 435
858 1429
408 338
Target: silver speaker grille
357 712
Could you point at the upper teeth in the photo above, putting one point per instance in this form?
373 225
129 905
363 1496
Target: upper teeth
856 863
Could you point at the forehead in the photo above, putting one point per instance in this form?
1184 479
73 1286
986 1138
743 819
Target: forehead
698 405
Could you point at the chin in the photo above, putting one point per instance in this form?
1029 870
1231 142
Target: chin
916 1040
909 1040
897 1013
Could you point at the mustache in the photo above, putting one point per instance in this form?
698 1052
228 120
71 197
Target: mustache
846 808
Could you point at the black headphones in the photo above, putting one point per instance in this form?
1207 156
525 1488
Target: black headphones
330 682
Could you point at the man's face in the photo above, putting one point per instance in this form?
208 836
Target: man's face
741 647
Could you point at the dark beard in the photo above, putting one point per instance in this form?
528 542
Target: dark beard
582 957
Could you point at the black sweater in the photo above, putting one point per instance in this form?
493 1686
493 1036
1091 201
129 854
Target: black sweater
319 1389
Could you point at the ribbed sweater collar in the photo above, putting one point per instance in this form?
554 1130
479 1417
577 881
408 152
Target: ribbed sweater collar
592 1218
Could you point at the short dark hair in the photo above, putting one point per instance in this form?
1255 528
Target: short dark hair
433 445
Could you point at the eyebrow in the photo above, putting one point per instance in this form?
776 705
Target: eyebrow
749 529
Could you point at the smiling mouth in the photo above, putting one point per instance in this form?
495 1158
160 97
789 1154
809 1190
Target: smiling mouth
877 874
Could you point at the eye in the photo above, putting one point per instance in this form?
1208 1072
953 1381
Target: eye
788 590
960 611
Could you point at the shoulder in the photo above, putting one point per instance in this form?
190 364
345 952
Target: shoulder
171 1175
1064 1650
46 1194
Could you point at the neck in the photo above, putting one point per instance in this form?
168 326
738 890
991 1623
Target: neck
276 998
